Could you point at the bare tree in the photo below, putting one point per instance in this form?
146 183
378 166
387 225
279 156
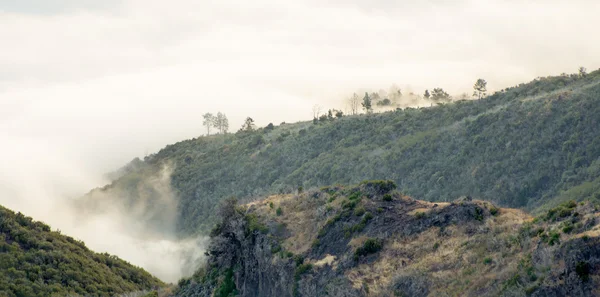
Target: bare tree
316 111
354 103
209 120
221 123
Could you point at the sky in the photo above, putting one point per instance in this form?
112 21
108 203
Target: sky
86 86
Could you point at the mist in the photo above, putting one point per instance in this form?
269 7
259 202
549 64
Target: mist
86 87
48 186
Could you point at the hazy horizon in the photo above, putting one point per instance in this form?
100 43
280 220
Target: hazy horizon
87 86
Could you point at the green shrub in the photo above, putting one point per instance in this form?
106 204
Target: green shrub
359 211
279 212
254 224
567 228
379 187
387 197
370 246
487 261
494 210
227 287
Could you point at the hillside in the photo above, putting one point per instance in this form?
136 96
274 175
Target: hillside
532 146
369 240
35 261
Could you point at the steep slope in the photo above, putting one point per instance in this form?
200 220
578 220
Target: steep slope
369 240
533 145
35 261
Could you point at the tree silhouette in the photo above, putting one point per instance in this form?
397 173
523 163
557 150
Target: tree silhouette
480 88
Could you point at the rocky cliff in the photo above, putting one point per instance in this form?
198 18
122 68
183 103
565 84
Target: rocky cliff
370 240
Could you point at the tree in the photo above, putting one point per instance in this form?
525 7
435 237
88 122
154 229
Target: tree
248 125
367 103
480 88
384 102
354 101
316 111
426 95
438 94
221 123
209 120
582 72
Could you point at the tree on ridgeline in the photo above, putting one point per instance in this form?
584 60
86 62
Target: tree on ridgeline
248 125
480 88
221 123
366 104
582 72
426 95
209 120
438 94
354 101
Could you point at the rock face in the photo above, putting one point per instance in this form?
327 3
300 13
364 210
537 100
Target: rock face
369 240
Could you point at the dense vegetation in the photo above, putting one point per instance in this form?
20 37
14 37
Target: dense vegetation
35 261
530 146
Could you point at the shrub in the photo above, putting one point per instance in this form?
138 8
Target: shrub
379 187
359 211
370 246
494 210
419 214
487 261
279 212
387 197
254 224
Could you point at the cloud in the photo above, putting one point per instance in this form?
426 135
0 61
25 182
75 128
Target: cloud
86 86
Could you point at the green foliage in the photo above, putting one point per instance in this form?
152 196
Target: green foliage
387 197
551 238
487 261
227 287
279 212
380 187
37 262
359 211
370 246
419 214
478 214
255 224
518 148
494 210
360 226
303 268
562 211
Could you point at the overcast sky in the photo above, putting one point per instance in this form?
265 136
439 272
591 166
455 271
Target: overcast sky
87 85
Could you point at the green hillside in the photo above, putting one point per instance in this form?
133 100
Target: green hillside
528 146
35 261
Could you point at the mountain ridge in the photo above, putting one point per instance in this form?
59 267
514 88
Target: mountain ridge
35 261
525 146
